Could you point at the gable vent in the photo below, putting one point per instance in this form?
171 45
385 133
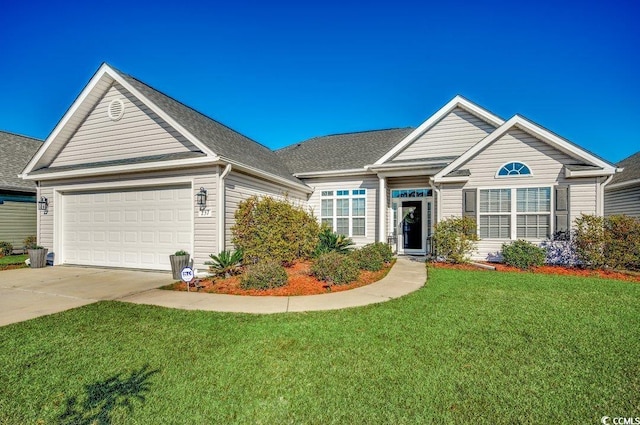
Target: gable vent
115 109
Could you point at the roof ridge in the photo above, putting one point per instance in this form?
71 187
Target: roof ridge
21 135
341 134
191 108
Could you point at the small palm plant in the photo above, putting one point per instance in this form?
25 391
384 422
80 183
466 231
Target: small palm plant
333 242
226 263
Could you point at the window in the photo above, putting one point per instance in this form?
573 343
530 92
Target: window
529 208
514 169
344 211
410 193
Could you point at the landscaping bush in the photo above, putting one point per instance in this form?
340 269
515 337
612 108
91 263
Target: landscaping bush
5 248
335 268
590 241
561 250
384 249
265 274
622 242
523 254
267 228
30 242
226 263
368 258
455 239
329 241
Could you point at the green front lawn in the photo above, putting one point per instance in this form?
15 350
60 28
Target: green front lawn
470 347
10 260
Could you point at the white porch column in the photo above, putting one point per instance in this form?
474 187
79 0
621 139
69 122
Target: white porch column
382 208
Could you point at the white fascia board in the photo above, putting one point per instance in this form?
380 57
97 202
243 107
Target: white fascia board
193 139
457 101
66 117
336 173
623 184
457 179
119 169
268 176
536 131
588 173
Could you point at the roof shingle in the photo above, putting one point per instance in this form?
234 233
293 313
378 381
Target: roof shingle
631 170
16 153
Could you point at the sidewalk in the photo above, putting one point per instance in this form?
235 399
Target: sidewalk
405 277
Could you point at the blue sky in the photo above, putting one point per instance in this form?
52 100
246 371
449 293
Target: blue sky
281 72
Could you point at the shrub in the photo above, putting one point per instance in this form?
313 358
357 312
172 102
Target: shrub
335 268
561 250
181 253
523 254
384 249
5 248
622 242
590 241
30 242
267 228
329 241
226 263
455 239
368 258
266 274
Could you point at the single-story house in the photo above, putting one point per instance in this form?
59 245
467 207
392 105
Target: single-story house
622 195
126 169
17 196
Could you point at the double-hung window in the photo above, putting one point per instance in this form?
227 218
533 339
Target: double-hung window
528 209
344 211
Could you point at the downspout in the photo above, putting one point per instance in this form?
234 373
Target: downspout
382 202
601 203
436 190
221 208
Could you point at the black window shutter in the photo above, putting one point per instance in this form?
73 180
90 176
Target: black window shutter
562 209
469 203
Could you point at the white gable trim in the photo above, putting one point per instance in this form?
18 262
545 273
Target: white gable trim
536 131
106 70
457 101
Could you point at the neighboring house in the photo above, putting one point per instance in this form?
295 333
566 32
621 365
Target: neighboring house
17 196
123 169
622 195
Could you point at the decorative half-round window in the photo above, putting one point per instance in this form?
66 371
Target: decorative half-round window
115 110
514 169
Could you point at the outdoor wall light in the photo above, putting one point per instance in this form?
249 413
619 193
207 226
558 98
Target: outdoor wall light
43 205
201 198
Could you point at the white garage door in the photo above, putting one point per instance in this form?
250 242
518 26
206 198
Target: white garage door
134 228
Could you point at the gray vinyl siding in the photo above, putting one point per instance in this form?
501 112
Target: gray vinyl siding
205 229
140 132
239 186
451 136
412 182
17 221
547 167
622 201
370 183
45 221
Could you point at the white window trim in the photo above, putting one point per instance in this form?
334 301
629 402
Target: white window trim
514 213
334 218
513 176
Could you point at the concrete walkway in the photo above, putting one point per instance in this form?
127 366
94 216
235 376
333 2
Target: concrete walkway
29 293
405 277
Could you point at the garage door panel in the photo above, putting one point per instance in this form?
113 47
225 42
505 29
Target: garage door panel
137 229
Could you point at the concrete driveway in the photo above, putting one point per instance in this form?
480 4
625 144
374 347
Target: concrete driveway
29 293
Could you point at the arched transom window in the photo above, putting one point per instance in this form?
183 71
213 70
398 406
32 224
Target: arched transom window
514 169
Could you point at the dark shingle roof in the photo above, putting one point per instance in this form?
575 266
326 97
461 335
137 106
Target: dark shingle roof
222 140
16 152
631 170
341 151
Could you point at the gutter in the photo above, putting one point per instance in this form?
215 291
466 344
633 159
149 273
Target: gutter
602 185
221 208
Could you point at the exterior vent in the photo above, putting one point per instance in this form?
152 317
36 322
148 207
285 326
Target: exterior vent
115 109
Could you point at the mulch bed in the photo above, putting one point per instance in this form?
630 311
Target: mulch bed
559 270
12 266
301 282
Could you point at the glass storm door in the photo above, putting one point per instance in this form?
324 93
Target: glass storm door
411 225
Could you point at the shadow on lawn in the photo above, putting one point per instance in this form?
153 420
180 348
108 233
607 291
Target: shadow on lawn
103 397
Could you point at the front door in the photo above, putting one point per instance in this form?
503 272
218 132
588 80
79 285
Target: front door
411 225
